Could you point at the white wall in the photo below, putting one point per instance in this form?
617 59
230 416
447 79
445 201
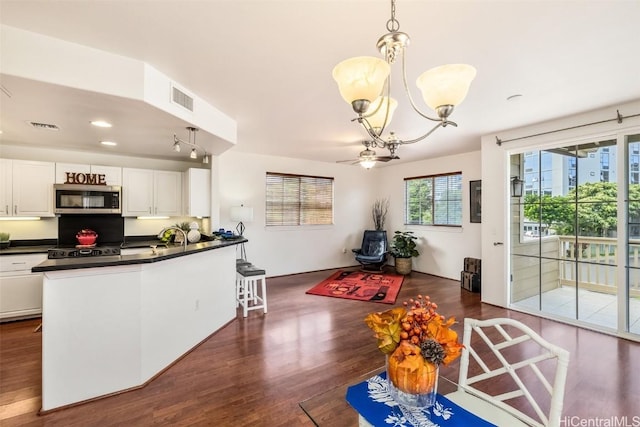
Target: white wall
495 175
287 250
442 249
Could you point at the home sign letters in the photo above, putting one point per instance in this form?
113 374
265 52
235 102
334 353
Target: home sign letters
86 178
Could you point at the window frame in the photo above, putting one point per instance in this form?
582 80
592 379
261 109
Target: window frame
300 210
433 201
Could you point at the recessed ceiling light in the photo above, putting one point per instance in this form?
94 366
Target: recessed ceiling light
109 143
514 97
101 124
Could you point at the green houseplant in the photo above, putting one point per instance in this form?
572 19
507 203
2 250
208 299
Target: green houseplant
403 249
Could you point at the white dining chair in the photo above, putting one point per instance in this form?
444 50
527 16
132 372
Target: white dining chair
508 355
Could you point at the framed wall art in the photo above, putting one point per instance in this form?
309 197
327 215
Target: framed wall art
475 199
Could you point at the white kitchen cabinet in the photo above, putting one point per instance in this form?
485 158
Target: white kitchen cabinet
197 192
6 187
63 168
149 192
20 289
113 174
27 188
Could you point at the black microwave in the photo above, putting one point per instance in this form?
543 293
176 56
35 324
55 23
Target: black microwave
87 199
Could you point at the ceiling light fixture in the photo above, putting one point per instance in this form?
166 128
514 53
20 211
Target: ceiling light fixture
109 143
364 83
368 158
194 147
101 124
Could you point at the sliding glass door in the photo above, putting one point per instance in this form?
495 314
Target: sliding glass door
564 233
631 296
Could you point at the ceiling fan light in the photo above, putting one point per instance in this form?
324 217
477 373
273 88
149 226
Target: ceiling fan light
377 118
361 77
446 85
367 163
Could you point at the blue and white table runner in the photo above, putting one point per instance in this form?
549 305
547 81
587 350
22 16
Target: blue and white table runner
372 400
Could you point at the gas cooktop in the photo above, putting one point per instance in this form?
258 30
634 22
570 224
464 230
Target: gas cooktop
73 252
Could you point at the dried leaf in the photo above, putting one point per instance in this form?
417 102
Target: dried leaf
386 326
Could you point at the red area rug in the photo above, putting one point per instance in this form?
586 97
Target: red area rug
361 286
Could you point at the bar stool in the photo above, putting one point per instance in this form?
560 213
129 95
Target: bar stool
248 295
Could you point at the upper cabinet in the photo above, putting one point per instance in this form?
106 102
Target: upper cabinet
197 192
112 174
27 188
147 192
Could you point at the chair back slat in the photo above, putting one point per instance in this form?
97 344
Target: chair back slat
496 361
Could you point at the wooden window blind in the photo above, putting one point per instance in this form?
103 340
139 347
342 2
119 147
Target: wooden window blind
299 200
434 200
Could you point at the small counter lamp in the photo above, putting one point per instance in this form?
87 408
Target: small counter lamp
241 214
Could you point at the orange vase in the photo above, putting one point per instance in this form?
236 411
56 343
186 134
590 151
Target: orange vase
412 380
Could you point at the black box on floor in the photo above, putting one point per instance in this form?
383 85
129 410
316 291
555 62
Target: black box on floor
470 281
472 265
470 275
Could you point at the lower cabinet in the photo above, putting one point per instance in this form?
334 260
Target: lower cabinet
20 289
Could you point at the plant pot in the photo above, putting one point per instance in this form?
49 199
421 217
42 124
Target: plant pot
403 265
4 244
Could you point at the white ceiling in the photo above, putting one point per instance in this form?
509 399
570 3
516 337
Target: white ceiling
267 64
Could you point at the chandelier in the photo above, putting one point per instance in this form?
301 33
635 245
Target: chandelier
194 147
364 83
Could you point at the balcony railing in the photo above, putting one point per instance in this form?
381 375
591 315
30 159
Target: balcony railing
594 262
591 263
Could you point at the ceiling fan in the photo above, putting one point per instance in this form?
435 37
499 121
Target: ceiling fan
368 158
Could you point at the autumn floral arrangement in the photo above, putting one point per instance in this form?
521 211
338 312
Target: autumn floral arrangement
416 340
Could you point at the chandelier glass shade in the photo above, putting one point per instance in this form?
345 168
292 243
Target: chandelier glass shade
381 111
364 83
361 78
446 85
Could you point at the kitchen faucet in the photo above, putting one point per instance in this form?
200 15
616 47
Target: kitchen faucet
184 234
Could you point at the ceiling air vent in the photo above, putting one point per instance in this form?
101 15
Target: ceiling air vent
45 126
181 98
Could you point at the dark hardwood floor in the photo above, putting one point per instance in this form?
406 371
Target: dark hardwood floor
256 370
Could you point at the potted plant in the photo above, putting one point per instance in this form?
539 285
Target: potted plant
4 240
403 249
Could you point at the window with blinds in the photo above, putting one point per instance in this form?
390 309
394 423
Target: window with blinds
299 200
434 200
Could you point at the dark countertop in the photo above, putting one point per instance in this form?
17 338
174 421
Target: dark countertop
41 246
173 251
24 250
24 247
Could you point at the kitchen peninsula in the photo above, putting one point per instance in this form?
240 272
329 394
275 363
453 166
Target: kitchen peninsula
113 323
